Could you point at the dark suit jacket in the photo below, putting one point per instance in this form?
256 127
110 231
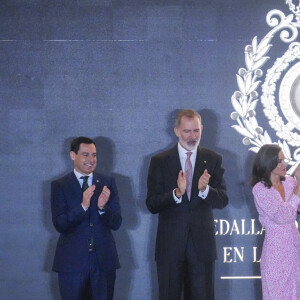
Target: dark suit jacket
194 216
76 225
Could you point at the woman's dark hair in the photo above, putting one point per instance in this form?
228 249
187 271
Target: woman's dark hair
266 160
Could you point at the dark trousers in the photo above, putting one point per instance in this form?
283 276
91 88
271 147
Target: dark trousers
187 278
92 283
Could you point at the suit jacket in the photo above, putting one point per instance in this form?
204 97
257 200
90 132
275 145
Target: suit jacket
76 225
191 217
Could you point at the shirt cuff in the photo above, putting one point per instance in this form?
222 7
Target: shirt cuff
204 194
177 200
101 211
85 208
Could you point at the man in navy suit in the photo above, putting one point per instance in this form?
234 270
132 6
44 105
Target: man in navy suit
184 184
85 208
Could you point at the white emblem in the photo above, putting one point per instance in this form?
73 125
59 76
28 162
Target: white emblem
244 100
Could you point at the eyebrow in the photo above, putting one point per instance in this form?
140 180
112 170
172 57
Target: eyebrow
196 129
84 153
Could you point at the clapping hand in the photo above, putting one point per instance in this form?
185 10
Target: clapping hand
203 181
87 195
181 184
104 197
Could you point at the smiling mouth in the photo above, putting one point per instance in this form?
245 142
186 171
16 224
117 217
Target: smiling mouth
89 165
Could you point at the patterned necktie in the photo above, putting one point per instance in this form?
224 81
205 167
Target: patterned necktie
189 174
85 182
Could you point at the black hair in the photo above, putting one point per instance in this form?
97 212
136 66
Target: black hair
75 144
265 161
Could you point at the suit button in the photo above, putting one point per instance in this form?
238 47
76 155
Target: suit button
91 224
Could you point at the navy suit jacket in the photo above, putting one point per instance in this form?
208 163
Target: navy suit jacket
192 217
76 225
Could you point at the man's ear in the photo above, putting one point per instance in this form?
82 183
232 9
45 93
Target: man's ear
176 131
72 155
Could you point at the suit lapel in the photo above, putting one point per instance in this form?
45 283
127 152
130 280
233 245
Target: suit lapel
74 184
99 186
96 180
173 162
174 166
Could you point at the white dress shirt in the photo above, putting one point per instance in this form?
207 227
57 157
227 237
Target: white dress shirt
183 156
80 180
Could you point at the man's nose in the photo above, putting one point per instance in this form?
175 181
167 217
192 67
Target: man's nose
194 135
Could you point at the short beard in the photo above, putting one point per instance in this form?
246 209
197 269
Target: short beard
190 147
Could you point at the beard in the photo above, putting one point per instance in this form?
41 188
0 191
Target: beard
190 144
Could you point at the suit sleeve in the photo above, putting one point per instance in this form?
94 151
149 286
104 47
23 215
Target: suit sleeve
112 216
63 218
157 199
217 196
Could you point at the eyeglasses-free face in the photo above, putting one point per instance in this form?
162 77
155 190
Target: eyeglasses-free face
284 160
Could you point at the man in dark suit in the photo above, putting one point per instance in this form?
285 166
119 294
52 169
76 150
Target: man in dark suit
184 184
85 208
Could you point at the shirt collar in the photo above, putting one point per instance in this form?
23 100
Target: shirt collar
78 175
182 152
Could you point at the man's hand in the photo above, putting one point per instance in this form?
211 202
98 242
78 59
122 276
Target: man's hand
203 181
181 183
87 195
103 198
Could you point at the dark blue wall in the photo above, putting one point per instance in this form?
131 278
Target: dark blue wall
117 71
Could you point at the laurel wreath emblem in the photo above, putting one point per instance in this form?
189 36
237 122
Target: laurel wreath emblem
244 101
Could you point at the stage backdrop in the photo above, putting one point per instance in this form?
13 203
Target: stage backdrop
118 71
